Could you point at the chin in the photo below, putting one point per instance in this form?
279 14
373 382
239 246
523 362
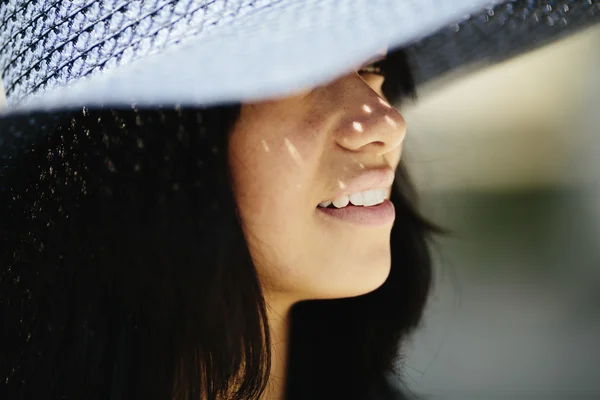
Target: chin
358 284
373 274
376 278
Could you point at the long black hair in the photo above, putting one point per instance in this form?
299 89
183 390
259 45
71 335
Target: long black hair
124 272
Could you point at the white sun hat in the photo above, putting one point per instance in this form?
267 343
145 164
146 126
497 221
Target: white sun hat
59 54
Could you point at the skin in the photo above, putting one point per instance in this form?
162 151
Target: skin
287 155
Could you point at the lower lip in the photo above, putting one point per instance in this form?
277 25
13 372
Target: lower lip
381 214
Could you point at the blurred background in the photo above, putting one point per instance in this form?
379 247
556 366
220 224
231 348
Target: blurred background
509 159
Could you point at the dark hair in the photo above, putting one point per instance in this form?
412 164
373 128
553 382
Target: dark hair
124 272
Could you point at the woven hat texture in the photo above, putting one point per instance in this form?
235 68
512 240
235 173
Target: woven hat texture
67 53
208 51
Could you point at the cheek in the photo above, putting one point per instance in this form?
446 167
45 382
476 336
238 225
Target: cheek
275 157
274 217
272 177
268 174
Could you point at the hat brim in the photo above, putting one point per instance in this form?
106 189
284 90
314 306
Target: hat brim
292 45
274 50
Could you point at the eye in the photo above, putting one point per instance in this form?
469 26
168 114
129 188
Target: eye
376 68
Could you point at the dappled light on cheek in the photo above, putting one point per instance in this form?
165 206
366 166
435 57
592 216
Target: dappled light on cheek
357 126
367 109
265 146
293 151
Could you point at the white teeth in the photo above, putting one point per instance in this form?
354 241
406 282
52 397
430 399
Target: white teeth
341 202
366 199
370 198
357 199
381 195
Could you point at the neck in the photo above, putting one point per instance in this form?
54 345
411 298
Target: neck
278 311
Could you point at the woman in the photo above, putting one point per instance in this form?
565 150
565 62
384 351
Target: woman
242 250
159 275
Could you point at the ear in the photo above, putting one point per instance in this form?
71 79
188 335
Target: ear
2 97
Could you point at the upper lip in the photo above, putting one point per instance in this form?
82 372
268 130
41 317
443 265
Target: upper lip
378 178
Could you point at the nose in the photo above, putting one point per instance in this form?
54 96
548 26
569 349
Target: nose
370 124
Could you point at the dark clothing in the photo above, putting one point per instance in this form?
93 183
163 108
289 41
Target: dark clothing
386 390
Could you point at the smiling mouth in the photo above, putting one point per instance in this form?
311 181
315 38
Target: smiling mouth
382 214
367 198
332 205
368 188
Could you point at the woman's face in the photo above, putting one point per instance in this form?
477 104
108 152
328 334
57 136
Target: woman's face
291 154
